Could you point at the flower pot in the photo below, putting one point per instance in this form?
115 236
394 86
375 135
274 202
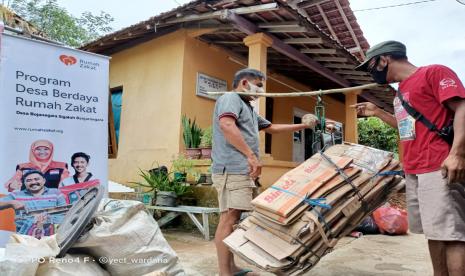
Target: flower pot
180 177
208 179
166 199
202 179
206 153
205 179
147 199
193 153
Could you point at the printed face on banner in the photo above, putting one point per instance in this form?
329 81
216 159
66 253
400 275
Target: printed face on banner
54 112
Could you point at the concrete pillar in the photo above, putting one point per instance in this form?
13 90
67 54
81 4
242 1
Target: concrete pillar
351 133
258 44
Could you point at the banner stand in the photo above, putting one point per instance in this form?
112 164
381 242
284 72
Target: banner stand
54 118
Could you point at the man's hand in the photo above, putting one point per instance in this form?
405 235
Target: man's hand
13 185
453 168
309 120
17 205
366 109
255 167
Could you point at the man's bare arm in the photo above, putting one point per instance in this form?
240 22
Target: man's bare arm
368 109
280 128
454 166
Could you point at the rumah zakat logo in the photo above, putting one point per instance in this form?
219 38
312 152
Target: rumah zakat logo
68 60
447 82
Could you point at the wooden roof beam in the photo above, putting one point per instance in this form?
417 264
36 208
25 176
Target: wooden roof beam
286 24
305 40
228 42
351 72
309 3
346 21
331 59
320 51
362 78
327 22
278 45
288 30
223 13
340 65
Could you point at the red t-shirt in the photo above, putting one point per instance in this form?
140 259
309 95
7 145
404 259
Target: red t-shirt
426 91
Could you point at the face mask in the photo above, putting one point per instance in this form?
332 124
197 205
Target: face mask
254 89
380 76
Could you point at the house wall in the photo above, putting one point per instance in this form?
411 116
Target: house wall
159 81
209 60
151 76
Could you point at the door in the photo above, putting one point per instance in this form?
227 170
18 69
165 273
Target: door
298 147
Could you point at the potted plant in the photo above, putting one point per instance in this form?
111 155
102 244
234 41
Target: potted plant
182 166
206 178
167 189
192 134
206 143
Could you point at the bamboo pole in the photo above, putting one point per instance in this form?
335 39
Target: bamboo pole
303 94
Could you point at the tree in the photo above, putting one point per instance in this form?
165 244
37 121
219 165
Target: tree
59 24
375 133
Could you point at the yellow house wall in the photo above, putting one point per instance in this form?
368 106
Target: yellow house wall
151 76
209 60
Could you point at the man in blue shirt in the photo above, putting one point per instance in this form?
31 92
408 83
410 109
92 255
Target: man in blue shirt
34 197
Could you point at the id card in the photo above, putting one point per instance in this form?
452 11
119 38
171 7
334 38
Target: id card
406 128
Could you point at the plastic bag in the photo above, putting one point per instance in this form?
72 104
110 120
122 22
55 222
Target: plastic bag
368 226
391 220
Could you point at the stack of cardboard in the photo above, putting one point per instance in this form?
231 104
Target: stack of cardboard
301 217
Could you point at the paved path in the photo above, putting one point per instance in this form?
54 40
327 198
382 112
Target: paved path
377 255
369 255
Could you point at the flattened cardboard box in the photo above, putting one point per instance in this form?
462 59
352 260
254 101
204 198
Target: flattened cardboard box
298 184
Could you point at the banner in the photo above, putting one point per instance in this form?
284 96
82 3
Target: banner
54 137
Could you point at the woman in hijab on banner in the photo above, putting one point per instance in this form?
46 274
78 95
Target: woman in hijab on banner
40 159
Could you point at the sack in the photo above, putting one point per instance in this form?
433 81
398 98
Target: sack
391 220
129 240
24 253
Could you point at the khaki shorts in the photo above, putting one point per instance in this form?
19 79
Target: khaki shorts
235 191
435 208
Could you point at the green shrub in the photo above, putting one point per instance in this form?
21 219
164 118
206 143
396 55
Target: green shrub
375 133
206 141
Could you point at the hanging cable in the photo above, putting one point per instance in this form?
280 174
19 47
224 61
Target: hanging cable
395 6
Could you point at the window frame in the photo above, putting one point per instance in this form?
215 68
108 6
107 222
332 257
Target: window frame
112 144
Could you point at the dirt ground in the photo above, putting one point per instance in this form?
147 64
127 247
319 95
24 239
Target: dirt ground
368 255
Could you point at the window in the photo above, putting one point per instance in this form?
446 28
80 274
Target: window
114 113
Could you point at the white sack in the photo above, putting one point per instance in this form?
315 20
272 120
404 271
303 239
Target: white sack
24 253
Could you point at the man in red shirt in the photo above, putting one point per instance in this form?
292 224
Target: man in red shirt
435 170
